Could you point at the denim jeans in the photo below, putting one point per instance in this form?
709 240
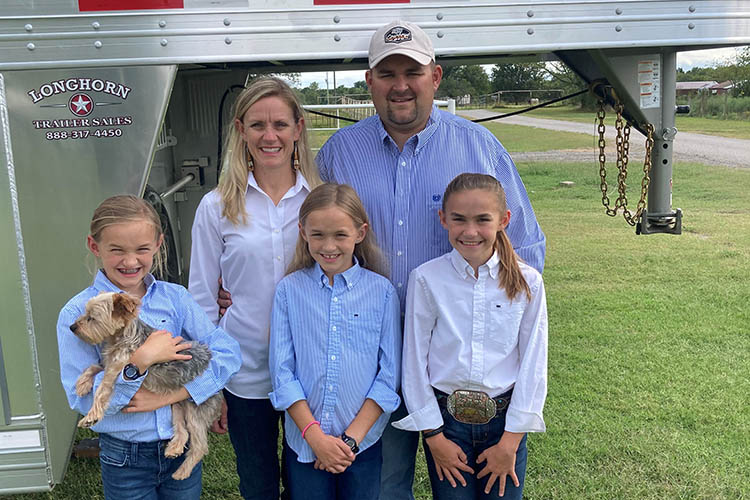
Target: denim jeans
399 455
473 440
141 471
358 482
254 433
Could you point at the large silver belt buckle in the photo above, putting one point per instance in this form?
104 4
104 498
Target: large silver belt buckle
471 407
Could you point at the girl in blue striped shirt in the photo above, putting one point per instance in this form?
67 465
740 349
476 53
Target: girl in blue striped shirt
335 351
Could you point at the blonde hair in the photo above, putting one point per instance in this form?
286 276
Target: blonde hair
510 276
128 208
343 197
233 182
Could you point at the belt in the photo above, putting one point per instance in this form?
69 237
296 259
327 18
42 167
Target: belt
473 407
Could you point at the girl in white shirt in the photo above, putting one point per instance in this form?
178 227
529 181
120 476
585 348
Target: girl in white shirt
475 350
245 232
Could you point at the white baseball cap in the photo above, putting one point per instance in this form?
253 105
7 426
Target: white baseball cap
400 37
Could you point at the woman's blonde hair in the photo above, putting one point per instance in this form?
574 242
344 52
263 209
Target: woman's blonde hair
233 182
345 198
128 208
510 275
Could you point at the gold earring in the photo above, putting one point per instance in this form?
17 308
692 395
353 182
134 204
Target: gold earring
295 163
250 164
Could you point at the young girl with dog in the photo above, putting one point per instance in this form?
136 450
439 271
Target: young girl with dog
335 351
475 350
126 237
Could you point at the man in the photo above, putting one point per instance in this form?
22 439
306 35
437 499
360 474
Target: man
400 162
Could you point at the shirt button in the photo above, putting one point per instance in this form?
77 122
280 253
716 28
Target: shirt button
330 388
335 299
276 230
333 358
399 253
333 328
400 285
325 414
278 257
400 223
403 163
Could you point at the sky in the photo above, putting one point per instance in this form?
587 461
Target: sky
685 60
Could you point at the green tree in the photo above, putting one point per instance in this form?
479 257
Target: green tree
515 76
462 80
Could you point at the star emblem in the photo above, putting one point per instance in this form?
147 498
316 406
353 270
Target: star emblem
81 105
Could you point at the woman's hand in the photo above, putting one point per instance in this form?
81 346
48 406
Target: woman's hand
145 400
159 347
332 454
449 459
501 461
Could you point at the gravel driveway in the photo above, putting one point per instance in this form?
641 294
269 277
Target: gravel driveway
688 147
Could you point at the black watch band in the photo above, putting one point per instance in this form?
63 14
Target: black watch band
130 372
350 442
434 432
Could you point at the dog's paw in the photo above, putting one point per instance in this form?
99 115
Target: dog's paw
84 385
181 473
174 449
87 422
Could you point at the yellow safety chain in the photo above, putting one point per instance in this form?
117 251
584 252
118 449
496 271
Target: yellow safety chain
622 141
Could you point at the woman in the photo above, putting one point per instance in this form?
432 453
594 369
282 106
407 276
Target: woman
245 232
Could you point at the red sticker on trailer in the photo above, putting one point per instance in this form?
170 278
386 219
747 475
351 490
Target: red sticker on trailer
356 2
97 5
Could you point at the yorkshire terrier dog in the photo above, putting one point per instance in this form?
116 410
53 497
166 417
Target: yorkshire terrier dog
111 319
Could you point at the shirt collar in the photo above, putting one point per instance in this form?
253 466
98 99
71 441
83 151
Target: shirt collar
464 269
421 137
102 283
300 183
351 276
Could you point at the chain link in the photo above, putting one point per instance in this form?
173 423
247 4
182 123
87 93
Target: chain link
622 143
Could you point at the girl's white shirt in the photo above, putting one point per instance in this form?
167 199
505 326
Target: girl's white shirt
251 259
462 332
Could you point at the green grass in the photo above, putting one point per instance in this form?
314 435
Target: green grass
649 349
517 138
738 129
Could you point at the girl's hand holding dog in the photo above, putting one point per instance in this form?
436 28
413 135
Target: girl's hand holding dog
501 461
145 400
449 458
159 347
332 454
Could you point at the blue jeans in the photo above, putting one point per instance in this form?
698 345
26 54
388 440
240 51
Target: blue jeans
473 440
254 433
141 471
358 482
399 455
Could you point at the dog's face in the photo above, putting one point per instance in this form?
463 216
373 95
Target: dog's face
105 317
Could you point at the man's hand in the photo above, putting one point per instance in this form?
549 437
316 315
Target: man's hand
224 299
501 461
220 425
449 459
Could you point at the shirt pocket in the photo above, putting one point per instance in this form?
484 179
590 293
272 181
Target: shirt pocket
363 332
439 237
505 320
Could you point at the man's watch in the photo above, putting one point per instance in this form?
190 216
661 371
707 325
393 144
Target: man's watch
130 372
350 442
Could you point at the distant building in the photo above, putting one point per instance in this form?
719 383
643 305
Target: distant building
691 88
722 88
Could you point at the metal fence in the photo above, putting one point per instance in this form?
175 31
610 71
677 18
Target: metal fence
353 109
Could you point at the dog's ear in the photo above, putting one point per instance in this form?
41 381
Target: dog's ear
125 306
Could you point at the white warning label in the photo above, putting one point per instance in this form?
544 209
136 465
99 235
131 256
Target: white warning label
649 81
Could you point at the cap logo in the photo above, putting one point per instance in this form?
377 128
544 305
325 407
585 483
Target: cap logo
398 34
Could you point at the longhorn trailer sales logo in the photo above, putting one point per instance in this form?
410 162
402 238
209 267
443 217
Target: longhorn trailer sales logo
81 96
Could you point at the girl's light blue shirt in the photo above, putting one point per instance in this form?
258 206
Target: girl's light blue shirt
335 347
166 306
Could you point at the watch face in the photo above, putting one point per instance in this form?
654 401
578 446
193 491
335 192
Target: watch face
131 372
